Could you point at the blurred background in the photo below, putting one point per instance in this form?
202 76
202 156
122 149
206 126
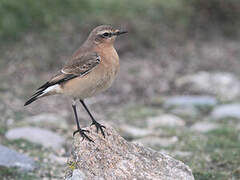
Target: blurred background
177 91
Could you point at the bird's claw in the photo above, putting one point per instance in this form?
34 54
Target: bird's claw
99 126
82 133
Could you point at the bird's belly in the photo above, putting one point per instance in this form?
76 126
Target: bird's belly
91 84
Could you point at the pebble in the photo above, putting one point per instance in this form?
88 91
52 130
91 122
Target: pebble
48 119
10 158
189 112
133 132
225 85
204 127
77 175
165 120
40 136
226 111
197 101
157 141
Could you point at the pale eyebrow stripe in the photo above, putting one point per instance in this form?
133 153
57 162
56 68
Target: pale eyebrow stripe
104 31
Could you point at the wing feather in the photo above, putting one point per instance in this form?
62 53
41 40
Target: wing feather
76 67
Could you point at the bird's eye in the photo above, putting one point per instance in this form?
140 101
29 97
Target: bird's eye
106 34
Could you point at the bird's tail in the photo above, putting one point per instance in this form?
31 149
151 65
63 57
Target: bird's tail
42 92
34 97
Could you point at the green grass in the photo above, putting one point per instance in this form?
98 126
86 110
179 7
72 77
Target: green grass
137 113
17 17
207 175
23 144
215 155
12 173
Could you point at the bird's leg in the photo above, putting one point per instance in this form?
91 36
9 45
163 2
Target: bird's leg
94 122
81 131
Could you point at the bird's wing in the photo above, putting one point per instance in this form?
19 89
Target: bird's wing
78 66
81 65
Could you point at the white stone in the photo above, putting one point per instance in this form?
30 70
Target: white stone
48 118
204 127
222 84
11 159
58 159
184 101
238 127
182 153
226 111
185 111
77 175
157 141
113 157
36 135
133 132
165 120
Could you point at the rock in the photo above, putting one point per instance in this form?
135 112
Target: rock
165 120
116 159
156 142
222 84
36 135
204 127
195 101
182 153
77 175
11 159
131 132
238 127
52 120
226 111
58 159
189 112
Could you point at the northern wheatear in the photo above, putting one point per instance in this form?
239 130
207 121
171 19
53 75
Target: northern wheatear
90 70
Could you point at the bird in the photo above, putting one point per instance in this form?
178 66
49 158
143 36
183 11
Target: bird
89 71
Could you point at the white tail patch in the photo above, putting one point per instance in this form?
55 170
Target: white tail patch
52 89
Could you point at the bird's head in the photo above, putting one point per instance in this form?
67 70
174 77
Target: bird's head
104 34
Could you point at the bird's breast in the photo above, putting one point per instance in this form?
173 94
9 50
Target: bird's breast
97 80
109 68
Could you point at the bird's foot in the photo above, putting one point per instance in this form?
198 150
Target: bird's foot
99 126
82 133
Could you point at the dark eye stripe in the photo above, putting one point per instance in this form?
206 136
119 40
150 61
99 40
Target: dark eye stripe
106 34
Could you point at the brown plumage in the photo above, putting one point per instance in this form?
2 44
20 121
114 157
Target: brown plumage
90 70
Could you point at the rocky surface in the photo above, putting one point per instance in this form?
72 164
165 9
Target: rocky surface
50 119
12 159
40 136
226 111
194 101
156 142
204 127
115 158
168 120
224 85
131 132
185 111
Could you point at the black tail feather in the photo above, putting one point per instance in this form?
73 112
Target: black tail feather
40 90
34 97
44 86
30 101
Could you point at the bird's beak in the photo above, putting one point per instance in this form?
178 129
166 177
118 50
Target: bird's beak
117 33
